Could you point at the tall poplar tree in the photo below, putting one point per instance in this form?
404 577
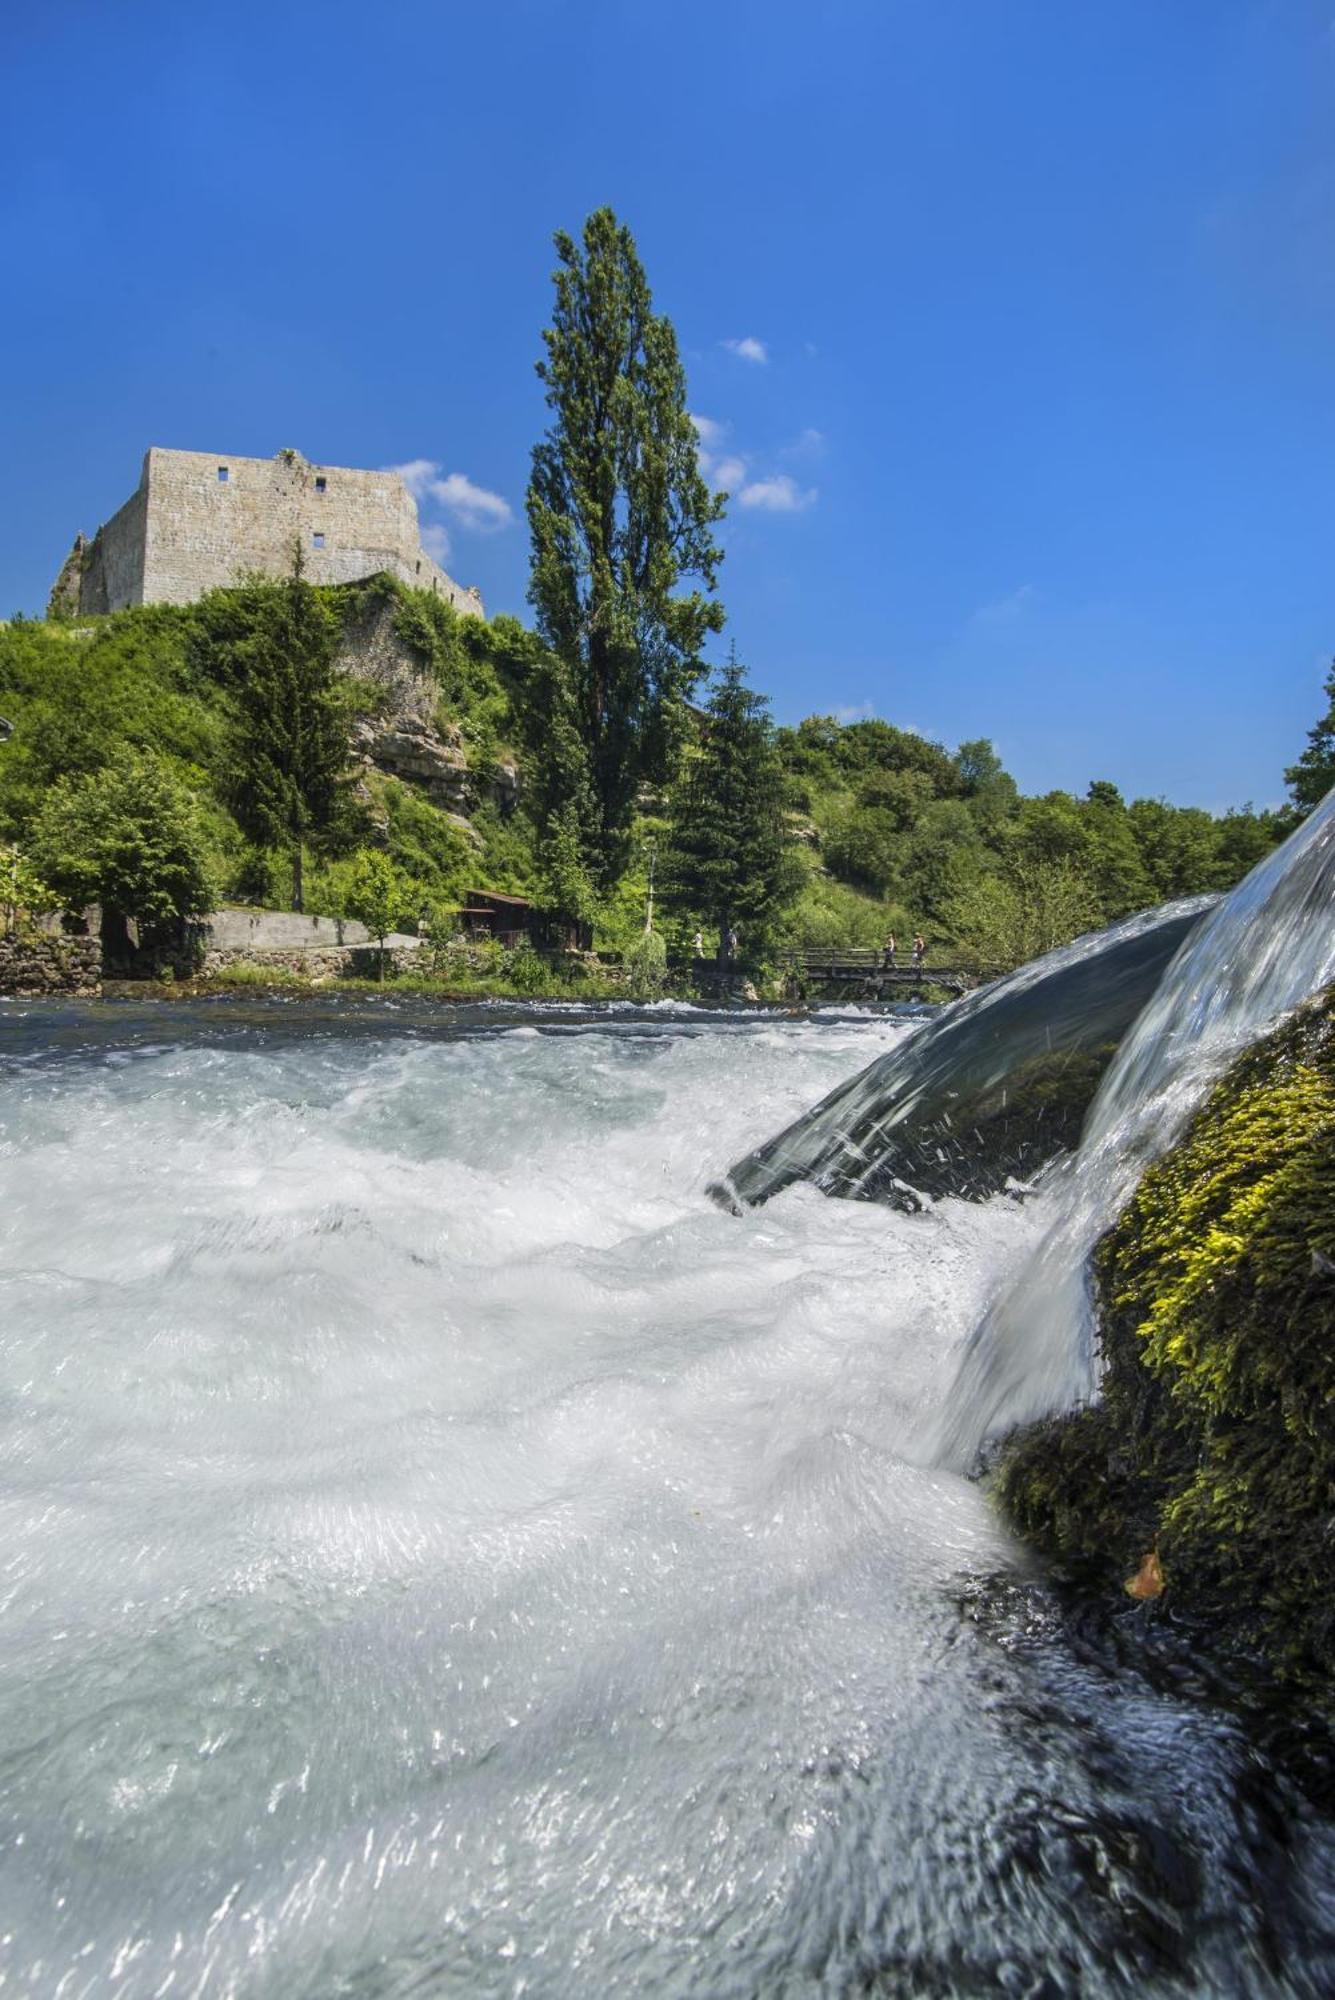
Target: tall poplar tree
729 860
289 746
619 515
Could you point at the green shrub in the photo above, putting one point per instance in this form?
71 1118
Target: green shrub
646 964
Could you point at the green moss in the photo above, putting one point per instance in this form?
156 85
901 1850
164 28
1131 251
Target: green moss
1214 1442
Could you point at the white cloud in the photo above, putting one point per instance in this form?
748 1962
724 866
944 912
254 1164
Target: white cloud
726 474
807 444
749 349
729 470
455 494
779 495
862 711
436 541
472 506
416 475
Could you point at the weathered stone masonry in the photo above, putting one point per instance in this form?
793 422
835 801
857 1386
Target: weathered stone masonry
38 962
197 520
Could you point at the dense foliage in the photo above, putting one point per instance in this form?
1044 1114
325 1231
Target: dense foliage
926 839
619 515
886 830
128 837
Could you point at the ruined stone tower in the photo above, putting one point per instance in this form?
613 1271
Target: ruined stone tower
198 519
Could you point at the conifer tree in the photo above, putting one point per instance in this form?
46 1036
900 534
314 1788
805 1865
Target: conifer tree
290 741
619 514
1314 773
729 860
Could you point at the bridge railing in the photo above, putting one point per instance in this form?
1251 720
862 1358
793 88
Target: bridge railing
868 958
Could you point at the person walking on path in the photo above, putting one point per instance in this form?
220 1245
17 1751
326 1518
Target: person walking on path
888 954
919 949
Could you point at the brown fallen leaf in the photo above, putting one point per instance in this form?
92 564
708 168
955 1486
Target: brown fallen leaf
1148 1579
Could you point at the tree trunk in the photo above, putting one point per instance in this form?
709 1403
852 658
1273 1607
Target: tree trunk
297 861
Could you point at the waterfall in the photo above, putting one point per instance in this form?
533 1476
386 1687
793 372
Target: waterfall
986 1093
1268 946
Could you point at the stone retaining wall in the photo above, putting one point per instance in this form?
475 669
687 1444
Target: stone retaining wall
318 962
35 963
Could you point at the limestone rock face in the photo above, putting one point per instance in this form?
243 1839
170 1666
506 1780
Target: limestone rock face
505 784
417 752
372 648
1209 1463
67 588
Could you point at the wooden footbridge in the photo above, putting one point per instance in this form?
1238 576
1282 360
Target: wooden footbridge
864 974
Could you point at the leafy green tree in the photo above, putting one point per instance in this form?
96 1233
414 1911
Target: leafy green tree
1178 845
978 765
290 747
1036 905
864 846
728 859
619 514
375 896
128 837
1314 773
564 888
944 852
1244 837
646 965
1049 828
1113 860
23 893
903 796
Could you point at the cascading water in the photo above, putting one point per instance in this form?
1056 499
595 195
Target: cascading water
987 1092
443 1554
1267 947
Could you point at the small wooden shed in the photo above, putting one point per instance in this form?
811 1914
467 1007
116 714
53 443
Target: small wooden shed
512 919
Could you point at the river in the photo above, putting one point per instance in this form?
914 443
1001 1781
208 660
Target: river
441 1552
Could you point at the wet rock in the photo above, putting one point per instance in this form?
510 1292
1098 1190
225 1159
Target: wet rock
1214 1442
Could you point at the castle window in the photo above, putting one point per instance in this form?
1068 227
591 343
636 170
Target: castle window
419 566
318 540
320 482
222 475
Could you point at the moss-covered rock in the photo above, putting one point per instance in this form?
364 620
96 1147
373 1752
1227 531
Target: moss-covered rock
1213 1447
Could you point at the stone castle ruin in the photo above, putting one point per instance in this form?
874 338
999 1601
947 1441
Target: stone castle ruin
197 520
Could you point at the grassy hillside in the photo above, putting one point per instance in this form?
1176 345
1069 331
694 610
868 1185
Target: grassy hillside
894 831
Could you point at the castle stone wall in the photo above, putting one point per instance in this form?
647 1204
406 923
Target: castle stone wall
114 561
200 519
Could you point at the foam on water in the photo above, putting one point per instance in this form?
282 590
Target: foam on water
442 1553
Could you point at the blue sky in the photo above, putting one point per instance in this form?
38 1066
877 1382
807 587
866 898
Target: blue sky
1016 320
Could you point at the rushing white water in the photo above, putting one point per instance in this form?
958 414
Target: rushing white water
910 1122
441 1553
1267 947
